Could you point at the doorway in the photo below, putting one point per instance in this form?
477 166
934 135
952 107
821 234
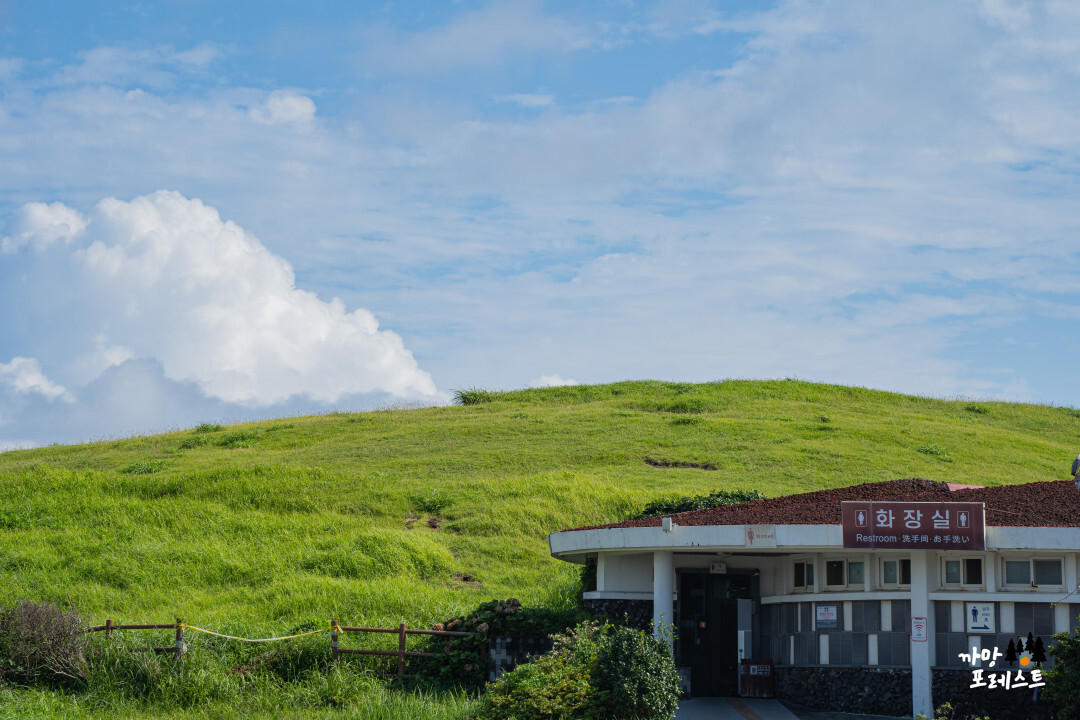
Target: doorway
712 610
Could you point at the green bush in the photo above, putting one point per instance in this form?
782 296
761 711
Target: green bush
549 687
718 498
594 672
636 676
1063 679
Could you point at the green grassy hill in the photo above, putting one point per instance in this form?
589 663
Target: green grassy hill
416 515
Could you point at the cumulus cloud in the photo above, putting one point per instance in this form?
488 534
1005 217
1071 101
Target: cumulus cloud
41 225
163 277
24 375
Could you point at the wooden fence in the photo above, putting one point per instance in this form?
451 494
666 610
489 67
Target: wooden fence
177 648
401 631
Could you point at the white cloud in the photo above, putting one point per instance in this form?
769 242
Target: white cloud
24 375
119 64
528 100
503 29
555 380
285 107
41 225
163 277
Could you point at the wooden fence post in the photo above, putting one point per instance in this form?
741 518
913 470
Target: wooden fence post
108 628
334 638
401 651
179 638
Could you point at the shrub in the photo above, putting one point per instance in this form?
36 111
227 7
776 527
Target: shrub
635 675
718 498
39 642
1063 680
549 687
594 672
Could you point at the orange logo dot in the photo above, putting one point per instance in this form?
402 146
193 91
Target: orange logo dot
1025 661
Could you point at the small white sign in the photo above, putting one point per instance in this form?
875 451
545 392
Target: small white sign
918 629
717 568
826 617
760 535
979 617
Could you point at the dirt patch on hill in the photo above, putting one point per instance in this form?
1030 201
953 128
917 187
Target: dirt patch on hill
653 462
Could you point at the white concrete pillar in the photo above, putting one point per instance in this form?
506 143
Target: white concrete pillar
922 653
663 585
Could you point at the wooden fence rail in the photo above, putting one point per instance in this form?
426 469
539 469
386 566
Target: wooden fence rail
401 653
401 631
177 648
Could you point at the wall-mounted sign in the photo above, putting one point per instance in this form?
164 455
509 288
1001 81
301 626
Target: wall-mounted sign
717 568
979 617
918 629
760 536
913 525
826 617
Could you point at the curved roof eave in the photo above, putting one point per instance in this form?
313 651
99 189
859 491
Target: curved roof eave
570 544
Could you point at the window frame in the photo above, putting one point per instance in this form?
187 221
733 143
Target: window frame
1031 583
847 584
964 579
899 560
809 576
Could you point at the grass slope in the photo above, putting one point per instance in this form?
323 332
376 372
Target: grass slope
266 527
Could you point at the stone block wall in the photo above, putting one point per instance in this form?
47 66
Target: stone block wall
506 652
868 691
887 691
634 613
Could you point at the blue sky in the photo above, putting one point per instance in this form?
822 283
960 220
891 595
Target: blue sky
222 211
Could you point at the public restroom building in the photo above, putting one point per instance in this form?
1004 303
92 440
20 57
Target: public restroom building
862 598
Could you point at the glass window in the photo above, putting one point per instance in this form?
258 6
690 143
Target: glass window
888 572
855 573
905 572
1047 572
973 571
800 574
952 572
834 572
1017 572
809 575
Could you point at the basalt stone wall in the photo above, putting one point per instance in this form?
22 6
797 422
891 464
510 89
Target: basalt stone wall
634 613
954 687
887 691
868 691
506 652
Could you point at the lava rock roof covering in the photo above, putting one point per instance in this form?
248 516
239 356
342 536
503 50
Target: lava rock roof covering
1039 504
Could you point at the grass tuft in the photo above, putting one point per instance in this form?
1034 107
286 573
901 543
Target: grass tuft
936 451
148 467
472 396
